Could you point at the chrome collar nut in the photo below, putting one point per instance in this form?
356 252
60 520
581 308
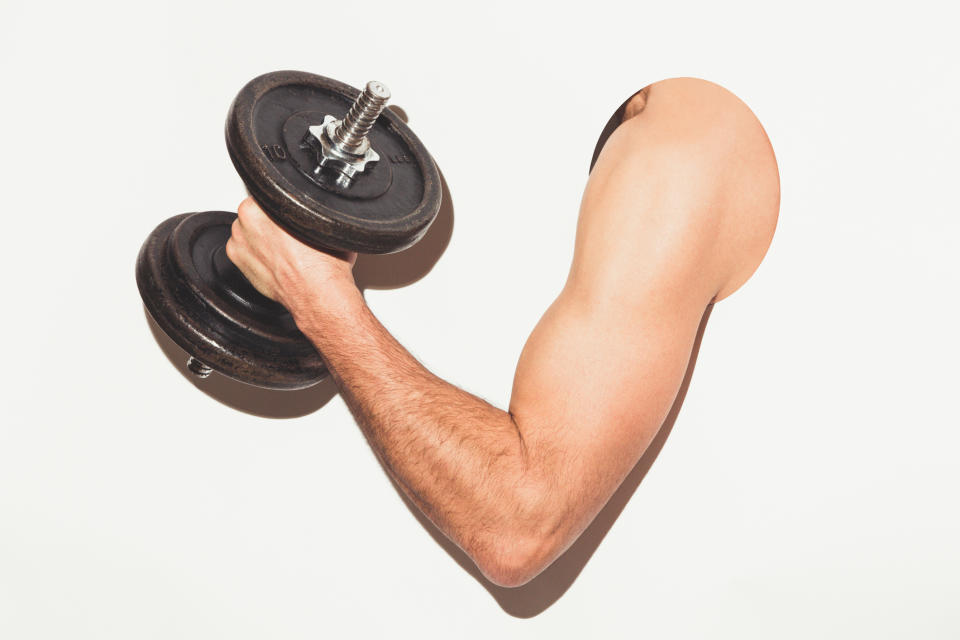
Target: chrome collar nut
343 144
337 156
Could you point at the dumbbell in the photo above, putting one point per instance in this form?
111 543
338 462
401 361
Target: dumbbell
329 165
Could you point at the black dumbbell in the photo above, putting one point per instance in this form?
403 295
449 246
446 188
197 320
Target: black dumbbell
327 163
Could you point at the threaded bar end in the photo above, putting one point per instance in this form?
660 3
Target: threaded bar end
198 368
362 115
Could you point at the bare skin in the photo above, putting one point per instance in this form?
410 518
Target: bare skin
677 214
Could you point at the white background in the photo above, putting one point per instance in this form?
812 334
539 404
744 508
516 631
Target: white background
808 488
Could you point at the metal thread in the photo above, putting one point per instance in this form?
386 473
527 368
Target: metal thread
198 368
364 112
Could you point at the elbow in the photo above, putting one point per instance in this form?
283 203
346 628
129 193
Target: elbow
530 526
513 560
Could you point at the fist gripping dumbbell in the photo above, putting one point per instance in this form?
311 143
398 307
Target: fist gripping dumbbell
329 165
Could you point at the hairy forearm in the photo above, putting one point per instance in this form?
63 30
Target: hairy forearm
461 460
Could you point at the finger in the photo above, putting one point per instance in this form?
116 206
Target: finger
241 255
234 251
249 213
254 271
237 231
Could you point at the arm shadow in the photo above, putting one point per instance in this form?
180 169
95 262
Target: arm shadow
390 271
539 594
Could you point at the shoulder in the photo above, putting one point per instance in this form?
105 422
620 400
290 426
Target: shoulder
690 172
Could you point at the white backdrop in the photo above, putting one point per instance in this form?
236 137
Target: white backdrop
808 488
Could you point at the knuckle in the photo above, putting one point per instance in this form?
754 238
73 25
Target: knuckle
246 209
231 250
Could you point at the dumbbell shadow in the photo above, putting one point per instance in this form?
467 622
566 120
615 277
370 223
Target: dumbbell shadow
396 270
267 403
371 272
393 271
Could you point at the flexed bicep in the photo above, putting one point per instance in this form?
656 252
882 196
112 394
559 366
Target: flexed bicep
659 239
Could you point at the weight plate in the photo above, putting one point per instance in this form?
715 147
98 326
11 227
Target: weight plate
387 208
203 302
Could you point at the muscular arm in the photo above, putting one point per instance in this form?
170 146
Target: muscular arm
677 213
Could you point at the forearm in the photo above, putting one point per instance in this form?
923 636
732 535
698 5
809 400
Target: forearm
461 460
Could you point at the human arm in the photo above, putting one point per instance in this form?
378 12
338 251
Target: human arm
598 374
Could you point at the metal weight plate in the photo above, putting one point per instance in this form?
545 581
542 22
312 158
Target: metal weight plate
203 302
384 209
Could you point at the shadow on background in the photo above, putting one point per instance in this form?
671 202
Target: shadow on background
395 270
266 403
371 272
536 596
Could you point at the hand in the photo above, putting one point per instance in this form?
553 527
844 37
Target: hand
280 266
